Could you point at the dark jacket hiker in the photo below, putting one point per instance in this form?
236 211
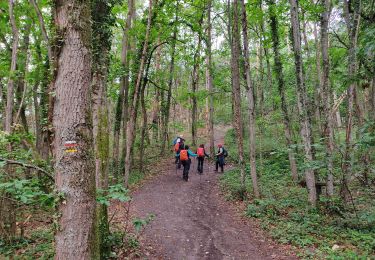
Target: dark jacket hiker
221 154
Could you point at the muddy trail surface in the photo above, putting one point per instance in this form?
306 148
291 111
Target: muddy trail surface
193 220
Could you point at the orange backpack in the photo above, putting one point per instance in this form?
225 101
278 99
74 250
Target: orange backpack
184 155
176 147
200 152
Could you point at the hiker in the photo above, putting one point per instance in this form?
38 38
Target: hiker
221 154
201 152
178 139
178 145
185 160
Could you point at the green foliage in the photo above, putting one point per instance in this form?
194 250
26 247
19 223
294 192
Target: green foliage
114 192
38 245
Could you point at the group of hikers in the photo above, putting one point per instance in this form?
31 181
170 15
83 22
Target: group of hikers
183 154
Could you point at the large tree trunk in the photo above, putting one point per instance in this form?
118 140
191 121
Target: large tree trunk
281 88
209 84
352 14
326 94
7 212
76 237
236 88
124 85
133 110
250 96
305 128
101 43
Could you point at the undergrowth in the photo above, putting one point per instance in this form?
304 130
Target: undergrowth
333 230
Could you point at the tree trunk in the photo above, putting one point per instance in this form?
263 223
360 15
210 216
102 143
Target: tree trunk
209 84
101 43
133 110
124 84
337 113
46 98
318 80
143 129
76 237
326 94
7 212
236 88
156 103
195 82
281 88
250 96
21 84
166 104
302 102
352 14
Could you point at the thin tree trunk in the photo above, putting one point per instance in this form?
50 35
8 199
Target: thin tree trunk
46 99
281 88
21 84
7 212
326 94
318 80
133 110
156 103
143 129
101 43
209 84
195 82
352 14
76 237
250 96
124 84
236 88
43 30
302 102
166 104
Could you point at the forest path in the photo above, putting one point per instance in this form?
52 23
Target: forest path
193 221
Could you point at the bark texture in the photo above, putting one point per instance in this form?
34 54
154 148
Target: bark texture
76 237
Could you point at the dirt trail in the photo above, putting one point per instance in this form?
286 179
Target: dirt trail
192 220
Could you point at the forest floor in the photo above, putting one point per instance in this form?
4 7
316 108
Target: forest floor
194 221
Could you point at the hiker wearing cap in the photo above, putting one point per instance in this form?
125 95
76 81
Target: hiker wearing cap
185 160
221 154
201 152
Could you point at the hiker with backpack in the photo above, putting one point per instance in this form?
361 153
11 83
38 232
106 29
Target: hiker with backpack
178 145
201 152
184 156
220 156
